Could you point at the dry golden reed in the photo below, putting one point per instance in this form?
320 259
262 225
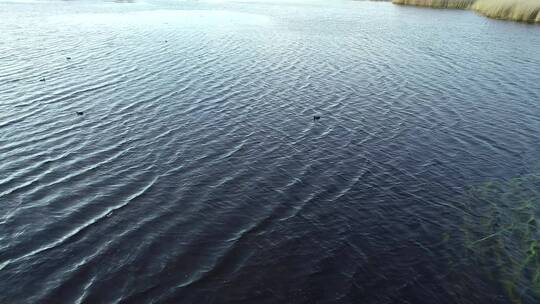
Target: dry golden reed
437 3
517 10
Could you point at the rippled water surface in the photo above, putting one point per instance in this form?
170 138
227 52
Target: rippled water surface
198 175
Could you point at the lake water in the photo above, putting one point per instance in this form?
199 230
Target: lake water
198 175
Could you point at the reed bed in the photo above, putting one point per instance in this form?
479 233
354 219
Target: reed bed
458 4
516 10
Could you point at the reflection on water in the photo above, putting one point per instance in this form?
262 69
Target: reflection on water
198 175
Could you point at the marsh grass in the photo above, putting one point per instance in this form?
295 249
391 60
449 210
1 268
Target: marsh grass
516 10
458 4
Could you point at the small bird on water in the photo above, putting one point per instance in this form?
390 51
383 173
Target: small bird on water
68 58
80 113
42 79
316 117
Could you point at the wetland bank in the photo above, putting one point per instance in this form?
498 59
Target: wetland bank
514 10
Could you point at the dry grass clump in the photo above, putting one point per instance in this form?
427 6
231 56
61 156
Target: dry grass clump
517 10
462 4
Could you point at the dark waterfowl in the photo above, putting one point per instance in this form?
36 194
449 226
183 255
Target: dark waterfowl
316 117
42 79
68 58
80 113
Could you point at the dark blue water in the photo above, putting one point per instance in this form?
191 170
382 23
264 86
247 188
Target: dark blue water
198 175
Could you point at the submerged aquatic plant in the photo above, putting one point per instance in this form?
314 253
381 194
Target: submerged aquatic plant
503 238
517 10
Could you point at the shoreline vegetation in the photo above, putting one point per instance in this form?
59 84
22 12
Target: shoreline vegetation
515 10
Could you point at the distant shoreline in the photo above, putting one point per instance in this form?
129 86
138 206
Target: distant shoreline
515 10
